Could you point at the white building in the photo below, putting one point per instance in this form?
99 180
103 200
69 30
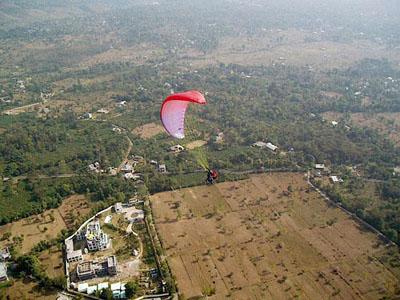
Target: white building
5 254
3 272
271 147
177 148
87 115
127 168
131 176
319 166
260 144
162 168
335 179
118 207
96 239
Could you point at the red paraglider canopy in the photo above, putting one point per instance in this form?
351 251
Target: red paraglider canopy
173 109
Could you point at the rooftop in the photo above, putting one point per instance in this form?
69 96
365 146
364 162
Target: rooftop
85 267
3 270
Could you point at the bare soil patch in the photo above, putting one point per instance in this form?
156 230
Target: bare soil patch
267 237
195 144
149 130
52 261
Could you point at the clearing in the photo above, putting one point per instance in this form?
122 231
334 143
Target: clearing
269 236
149 130
195 144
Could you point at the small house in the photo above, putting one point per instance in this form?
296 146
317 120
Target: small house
153 162
87 115
131 176
334 123
335 179
319 166
5 254
177 148
162 168
260 144
271 147
127 167
103 111
118 207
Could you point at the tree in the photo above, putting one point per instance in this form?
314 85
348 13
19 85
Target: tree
106 294
131 289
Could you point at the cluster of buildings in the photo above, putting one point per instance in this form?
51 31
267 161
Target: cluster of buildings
117 289
264 145
95 240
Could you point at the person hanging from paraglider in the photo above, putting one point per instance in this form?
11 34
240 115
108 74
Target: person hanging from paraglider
172 115
212 176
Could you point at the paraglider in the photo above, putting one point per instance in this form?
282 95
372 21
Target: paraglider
173 111
172 115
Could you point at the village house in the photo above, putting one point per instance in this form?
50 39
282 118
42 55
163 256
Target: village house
118 207
319 166
87 116
260 144
5 254
127 168
272 147
162 168
103 111
177 148
95 167
335 179
264 145
131 176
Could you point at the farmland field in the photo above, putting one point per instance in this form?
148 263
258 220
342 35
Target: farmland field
47 225
269 236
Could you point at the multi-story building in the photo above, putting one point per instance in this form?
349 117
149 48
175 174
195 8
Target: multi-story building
90 269
96 239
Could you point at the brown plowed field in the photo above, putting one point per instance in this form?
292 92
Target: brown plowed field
268 237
